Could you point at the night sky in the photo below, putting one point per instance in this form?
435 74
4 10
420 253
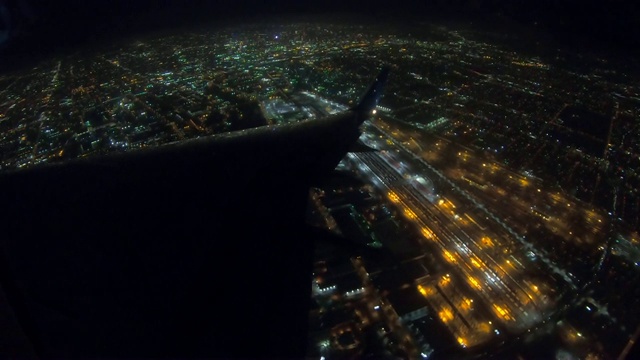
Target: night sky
31 29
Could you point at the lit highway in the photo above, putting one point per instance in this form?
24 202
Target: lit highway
483 266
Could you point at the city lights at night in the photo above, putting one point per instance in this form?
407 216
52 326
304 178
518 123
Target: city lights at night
489 208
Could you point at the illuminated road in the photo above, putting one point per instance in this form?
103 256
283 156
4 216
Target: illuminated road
478 256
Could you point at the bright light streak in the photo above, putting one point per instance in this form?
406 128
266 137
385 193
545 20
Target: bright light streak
502 312
448 256
445 315
474 282
410 214
427 233
465 304
445 280
393 196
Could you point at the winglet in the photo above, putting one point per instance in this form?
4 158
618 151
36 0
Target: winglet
372 96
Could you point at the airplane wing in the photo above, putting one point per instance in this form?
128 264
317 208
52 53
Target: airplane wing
192 249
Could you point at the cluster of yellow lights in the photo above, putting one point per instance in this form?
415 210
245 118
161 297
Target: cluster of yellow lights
393 196
465 304
445 315
448 256
426 291
476 262
446 203
474 282
427 233
487 241
502 312
409 213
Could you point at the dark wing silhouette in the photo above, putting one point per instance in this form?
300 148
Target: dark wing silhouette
197 248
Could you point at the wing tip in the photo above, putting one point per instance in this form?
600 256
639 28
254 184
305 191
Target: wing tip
371 98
